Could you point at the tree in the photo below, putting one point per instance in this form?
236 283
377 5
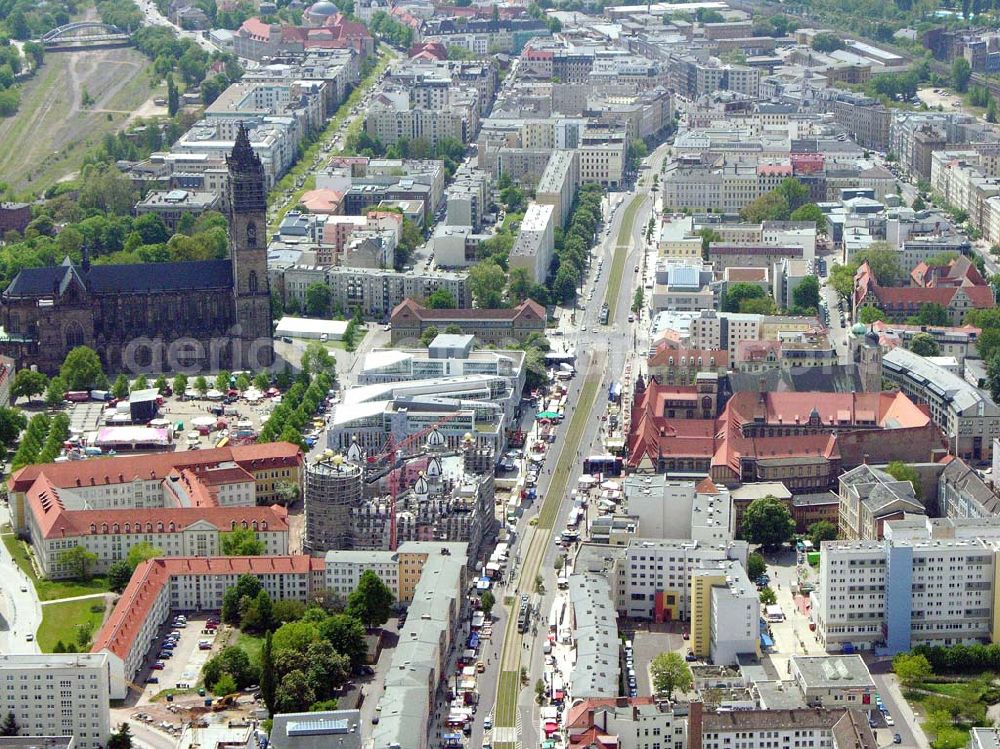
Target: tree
826 42
870 314
637 301
224 685
912 669
328 670
235 662
794 192
173 98
429 334
81 369
267 681
441 299
918 203
961 72
160 383
120 739
180 384
767 596
925 344
771 206
903 472
247 586
55 393
756 566
318 299
28 382
991 111
261 381
842 279
371 601
12 423
738 293
317 358
78 561
822 530
707 237
9 727
140 553
930 313
347 635
811 212
767 522
670 672
883 261
806 294
120 388
294 694
256 614
242 542
119 574
222 381
486 602
487 282
201 385
296 636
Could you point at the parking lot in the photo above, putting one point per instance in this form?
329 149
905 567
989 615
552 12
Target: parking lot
183 668
646 646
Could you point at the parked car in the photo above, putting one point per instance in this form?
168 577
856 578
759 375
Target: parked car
152 679
158 666
897 739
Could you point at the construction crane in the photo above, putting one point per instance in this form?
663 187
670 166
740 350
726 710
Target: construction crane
392 455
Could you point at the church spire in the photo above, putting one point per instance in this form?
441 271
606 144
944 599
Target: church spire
243 157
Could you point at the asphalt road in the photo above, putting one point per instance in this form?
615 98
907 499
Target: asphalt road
20 611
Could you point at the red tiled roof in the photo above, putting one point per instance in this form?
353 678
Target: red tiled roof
123 469
746 275
833 408
254 27
706 486
666 350
57 522
136 602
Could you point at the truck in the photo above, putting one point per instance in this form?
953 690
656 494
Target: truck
100 395
604 314
78 396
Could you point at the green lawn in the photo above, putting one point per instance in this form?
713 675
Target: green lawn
51 590
948 709
60 622
251 646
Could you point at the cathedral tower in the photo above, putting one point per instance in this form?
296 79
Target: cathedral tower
247 199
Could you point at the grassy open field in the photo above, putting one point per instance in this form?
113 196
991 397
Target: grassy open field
60 621
50 134
51 590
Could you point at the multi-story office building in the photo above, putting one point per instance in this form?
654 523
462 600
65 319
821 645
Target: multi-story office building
375 292
58 695
651 578
725 613
533 247
558 183
931 581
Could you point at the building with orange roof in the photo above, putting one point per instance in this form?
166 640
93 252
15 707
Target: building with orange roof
178 502
159 586
800 439
901 302
137 481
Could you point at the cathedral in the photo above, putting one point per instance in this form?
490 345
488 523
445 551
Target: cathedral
207 315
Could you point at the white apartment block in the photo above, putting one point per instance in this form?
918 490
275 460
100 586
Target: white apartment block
195 532
931 581
344 568
651 578
780 729
534 246
58 695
